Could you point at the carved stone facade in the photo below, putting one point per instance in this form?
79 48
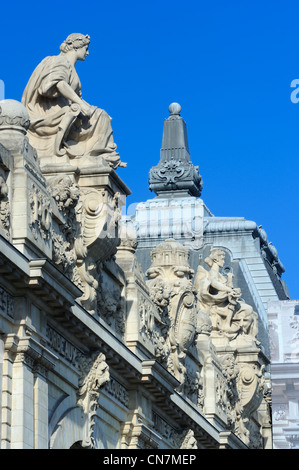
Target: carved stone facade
99 351
284 343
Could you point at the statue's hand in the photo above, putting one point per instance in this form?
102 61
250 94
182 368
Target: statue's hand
236 292
87 110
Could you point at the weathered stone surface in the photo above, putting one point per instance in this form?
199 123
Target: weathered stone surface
99 352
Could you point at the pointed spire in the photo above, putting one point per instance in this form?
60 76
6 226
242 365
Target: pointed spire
175 174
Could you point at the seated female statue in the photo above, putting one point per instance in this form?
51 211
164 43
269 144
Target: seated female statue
61 122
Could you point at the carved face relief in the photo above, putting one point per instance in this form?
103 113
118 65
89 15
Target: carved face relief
218 257
82 52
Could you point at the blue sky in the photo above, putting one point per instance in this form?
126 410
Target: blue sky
229 64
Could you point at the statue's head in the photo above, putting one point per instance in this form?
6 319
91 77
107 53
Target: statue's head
75 41
216 256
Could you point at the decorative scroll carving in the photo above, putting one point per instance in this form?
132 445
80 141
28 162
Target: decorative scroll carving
99 219
175 172
240 392
87 238
171 171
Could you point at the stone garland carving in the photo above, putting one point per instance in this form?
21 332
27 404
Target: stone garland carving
228 398
110 305
94 375
4 207
160 294
194 388
147 318
66 244
41 213
65 193
230 316
63 255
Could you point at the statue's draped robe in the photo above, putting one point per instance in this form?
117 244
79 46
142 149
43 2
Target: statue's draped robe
87 136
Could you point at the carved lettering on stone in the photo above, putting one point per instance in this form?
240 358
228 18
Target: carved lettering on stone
61 345
118 391
6 303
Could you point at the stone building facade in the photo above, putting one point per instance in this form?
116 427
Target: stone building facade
284 345
115 335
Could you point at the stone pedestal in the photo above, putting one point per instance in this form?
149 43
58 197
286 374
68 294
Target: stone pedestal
30 204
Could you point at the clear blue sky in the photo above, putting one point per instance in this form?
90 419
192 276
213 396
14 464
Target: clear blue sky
229 64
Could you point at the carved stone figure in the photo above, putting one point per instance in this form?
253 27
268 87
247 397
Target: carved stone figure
61 122
94 375
221 301
170 286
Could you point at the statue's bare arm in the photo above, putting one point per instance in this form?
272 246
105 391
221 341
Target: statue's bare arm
220 286
70 94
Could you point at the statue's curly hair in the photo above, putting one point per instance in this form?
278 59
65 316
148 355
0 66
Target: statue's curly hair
75 41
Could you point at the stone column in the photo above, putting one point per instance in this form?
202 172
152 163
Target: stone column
6 392
40 391
25 393
22 413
